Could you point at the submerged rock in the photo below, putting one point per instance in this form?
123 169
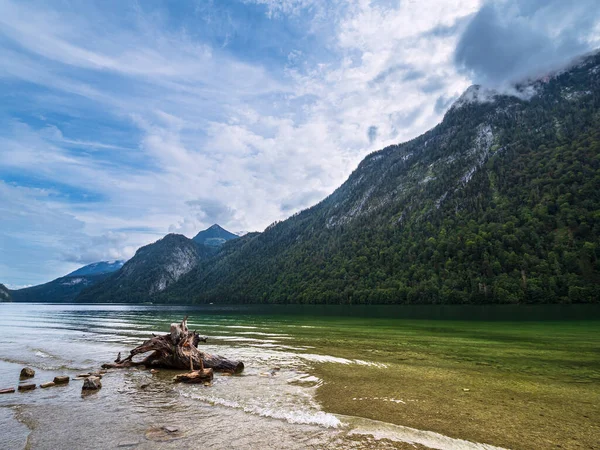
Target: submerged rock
63 379
48 384
91 384
27 372
27 387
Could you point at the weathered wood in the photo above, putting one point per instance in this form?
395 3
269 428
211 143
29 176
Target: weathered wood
196 376
176 350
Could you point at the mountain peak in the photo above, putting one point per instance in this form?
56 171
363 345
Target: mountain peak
214 236
97 268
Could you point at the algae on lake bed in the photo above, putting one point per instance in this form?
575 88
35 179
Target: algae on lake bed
524 385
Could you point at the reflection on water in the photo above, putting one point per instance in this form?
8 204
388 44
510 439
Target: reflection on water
270 405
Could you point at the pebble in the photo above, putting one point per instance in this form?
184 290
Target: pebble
63 379
48 384
27 387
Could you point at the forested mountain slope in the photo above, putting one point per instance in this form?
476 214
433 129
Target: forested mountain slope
500 203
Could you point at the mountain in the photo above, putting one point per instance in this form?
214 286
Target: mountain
4 294
153 268
98 268
215 236
65 289
497 204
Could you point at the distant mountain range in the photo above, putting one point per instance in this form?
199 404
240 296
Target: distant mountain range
65 289
153 268
497 204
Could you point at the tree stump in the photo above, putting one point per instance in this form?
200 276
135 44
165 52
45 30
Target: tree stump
177 350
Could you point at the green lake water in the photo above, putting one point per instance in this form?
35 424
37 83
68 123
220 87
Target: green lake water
316 377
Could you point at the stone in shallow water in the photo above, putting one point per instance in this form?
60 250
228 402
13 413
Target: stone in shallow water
7 391
162 434
27 372
83 375
48 384
27 387
91 384
62 379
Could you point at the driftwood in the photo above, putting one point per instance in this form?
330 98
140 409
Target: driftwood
195 376
177 350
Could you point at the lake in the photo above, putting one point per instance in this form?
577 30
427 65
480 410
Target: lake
316 377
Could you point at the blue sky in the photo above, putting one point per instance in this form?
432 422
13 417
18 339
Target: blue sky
123 121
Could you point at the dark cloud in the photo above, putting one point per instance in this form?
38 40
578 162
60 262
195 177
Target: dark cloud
301 200
398 72
372 133
509 40
433 84
413 74
211 210
443 103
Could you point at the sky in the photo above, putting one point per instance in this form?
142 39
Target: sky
121 122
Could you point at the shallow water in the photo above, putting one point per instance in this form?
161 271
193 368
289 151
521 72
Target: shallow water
271 405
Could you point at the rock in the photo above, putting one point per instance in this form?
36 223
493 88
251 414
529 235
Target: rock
7 391
27 372
276 368
91 384
96 374
144 386
27 387
63 379
171 429
48 384
83 375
